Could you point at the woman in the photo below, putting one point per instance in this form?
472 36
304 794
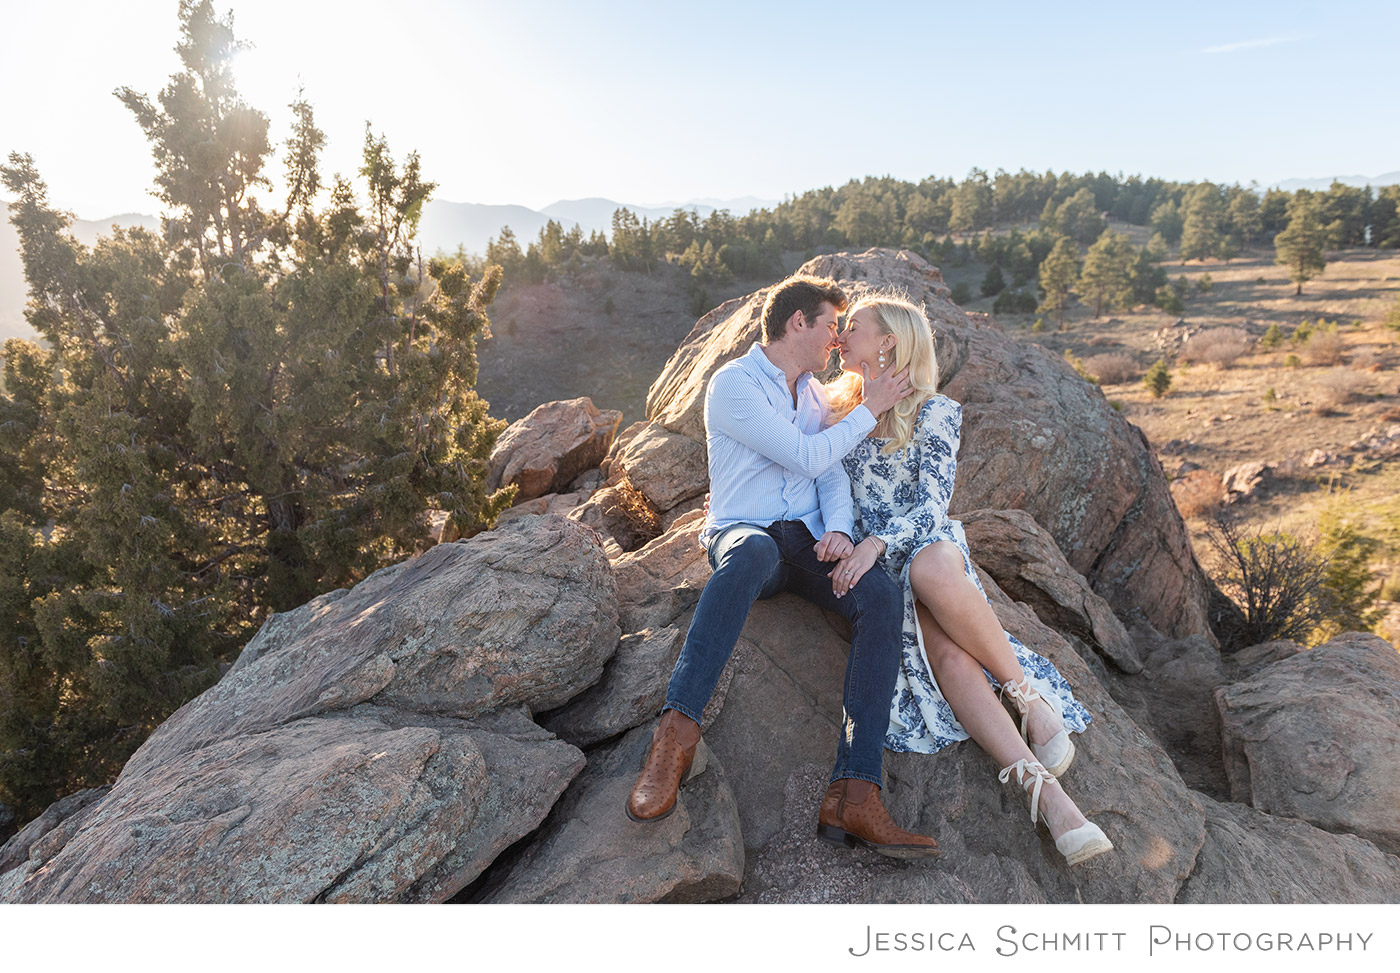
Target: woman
955 652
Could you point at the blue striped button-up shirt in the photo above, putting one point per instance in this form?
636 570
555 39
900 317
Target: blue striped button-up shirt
771 460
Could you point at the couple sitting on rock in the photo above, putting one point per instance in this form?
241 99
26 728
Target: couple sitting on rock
833 492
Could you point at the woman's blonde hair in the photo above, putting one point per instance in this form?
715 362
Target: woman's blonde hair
913 348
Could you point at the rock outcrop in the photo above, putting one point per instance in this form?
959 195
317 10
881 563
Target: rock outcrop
373 745
1316 735
465 725
1011 547
546 450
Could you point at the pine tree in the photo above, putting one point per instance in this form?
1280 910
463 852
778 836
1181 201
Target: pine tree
1158 379
1202 213
1108 272
1301 246
1058 275
252 407
993 283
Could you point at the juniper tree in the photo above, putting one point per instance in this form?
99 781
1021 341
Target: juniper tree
258 404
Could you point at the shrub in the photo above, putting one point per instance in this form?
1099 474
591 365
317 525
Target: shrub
1276 579
1270 396
1113 368
962 294
1039 325
1301 333
1293 361
1392 317
1348 589
1272 338
1158 379
1204 283
1366 361
1324 347
1077 364
1014 302
1217 346
1168 300
1336 388
1198 493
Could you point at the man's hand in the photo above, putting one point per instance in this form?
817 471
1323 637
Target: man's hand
833 546
883 392
852 568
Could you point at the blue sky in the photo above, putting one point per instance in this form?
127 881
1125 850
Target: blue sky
531 101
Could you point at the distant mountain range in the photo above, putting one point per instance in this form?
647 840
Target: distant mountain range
1385 179
444 226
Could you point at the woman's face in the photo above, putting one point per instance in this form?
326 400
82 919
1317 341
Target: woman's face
862 342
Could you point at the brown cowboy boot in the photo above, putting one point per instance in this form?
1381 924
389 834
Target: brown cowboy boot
672 750
852 814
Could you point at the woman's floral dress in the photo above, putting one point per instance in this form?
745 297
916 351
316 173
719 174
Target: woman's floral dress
902 497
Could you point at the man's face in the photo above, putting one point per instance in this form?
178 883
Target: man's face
821 338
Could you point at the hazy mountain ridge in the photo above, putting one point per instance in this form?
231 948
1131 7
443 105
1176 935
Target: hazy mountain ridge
1384 179
445 225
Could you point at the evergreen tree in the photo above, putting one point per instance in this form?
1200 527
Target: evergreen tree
1058 275
1242 215
1166 220
1158 379
1108 272
972 203
992 282
1301 246
1202 213
1147 276
1385 218
250 408
1080 218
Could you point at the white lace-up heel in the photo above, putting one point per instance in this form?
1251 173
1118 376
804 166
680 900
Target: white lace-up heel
1058 753
1076 845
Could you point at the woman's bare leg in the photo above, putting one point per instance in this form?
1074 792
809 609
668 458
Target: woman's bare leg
977 708
940 584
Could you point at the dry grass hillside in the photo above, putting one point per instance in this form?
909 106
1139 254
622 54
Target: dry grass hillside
1301 407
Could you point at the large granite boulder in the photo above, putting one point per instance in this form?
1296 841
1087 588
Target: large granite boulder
373 745
1316 735
546 450
1023 558
1036 437
589 852
1254 857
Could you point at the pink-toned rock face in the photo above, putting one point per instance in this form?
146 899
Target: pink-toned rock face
1036 437
1316 735
546 450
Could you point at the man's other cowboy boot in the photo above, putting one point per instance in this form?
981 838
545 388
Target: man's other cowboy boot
853 814
672 750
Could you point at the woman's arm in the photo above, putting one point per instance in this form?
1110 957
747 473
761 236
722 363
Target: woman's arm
936 437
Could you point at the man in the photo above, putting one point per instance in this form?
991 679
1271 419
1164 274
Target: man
776 486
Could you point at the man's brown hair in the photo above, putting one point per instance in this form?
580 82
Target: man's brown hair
798 293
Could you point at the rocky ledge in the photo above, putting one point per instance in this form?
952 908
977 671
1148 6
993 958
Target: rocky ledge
465 725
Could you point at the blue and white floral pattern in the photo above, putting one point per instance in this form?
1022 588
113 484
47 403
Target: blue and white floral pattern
902 497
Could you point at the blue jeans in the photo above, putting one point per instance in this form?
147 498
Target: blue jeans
758 562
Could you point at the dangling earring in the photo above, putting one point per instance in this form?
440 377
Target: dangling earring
881 359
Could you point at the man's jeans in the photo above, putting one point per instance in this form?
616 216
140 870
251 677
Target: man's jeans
758 562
